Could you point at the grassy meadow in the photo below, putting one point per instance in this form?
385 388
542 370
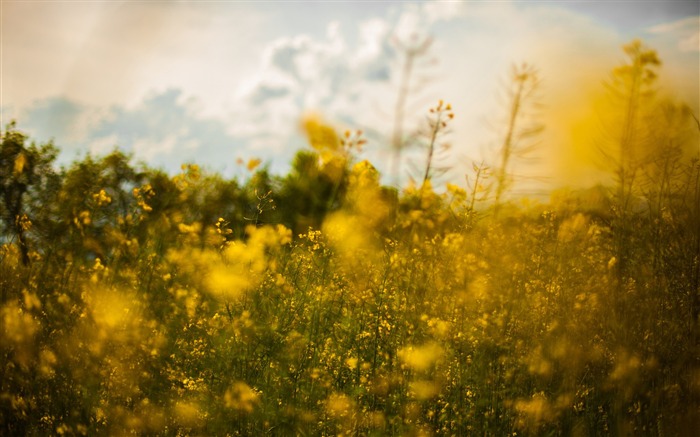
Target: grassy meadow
321 302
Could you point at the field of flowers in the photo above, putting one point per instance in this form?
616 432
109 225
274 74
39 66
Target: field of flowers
323 303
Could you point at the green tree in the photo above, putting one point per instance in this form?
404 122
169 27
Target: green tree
25 170
307 194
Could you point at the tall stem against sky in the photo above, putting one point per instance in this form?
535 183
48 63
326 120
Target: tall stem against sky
411 51
524 83
634 81
437 124
631 89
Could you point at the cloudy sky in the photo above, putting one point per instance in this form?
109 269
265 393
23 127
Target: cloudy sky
213 81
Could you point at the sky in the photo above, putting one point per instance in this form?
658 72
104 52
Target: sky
214 82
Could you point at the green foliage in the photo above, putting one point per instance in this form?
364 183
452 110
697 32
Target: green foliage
307 193
24 171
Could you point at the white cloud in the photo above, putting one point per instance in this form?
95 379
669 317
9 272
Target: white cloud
373 40
102 53
301 74
103 145
150 150
685 31
682 24
691 43
353 85
162 129
417 20
443 10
